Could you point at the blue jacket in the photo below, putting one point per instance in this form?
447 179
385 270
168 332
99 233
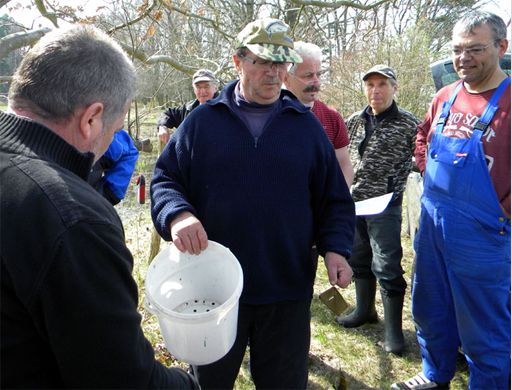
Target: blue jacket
112 173
268 200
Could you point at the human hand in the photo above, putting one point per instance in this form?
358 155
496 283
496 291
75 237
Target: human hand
163 134
338 269
188 233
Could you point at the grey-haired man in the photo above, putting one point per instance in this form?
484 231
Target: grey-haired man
205 86
253 170
68 299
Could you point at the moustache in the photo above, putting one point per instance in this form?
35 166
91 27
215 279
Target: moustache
312 88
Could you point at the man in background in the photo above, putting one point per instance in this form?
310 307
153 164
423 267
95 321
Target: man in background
205 87
68 300
382 139
303 80
111 174
461 291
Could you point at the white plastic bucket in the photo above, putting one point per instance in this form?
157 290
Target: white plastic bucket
195 298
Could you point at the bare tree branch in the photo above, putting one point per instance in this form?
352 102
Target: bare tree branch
3 2
338 4
20 39
141 16
141 56
214 24
42 9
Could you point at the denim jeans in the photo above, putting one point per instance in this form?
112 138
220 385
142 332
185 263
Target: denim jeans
377 250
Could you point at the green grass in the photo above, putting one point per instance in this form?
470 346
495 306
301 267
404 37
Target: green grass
337 354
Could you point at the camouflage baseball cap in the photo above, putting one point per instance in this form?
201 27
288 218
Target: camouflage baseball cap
381 69
268 39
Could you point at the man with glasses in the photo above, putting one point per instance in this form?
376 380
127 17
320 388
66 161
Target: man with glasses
253 170
461 292
303 80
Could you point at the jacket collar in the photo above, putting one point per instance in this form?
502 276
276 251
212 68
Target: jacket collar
390 113
23 136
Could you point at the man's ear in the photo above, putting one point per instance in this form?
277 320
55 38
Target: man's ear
502 47
91 120
285 81
236 61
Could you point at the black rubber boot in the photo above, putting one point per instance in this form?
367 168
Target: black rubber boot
393 336
365 305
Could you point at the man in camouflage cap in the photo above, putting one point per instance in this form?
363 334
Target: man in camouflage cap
253 170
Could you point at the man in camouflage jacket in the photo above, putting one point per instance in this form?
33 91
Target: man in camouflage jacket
382 138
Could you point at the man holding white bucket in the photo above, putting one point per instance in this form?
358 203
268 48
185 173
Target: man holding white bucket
253 170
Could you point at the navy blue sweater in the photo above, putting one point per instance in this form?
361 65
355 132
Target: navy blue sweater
267 200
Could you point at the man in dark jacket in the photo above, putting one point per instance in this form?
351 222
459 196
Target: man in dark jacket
205 86
266 184
68 299
381 146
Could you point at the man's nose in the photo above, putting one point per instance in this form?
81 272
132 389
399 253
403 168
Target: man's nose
273 69
465 56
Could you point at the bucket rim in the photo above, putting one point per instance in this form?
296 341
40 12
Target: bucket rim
228 304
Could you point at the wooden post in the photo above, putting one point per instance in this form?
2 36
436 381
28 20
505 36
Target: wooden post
155 237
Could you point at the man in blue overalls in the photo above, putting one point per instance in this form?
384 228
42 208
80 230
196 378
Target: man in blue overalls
461 291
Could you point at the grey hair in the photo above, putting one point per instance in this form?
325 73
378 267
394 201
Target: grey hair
475 19
306 50
71 68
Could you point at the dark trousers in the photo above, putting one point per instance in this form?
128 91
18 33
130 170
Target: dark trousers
377 250
278 336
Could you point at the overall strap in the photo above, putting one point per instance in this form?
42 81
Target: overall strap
446 109
491 107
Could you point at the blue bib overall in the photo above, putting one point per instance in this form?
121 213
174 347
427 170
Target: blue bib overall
461 291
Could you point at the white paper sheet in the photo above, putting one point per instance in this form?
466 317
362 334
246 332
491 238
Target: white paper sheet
373 206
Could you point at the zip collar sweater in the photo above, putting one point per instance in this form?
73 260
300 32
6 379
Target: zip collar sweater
268 200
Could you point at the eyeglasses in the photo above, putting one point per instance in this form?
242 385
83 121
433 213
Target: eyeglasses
266 64
472 51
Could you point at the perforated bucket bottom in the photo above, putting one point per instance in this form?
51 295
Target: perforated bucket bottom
196 306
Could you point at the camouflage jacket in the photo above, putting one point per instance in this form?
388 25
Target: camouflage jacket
387 159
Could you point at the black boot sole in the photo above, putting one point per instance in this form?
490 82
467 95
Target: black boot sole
346 323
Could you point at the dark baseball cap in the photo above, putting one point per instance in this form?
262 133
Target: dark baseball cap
203 75
381 69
